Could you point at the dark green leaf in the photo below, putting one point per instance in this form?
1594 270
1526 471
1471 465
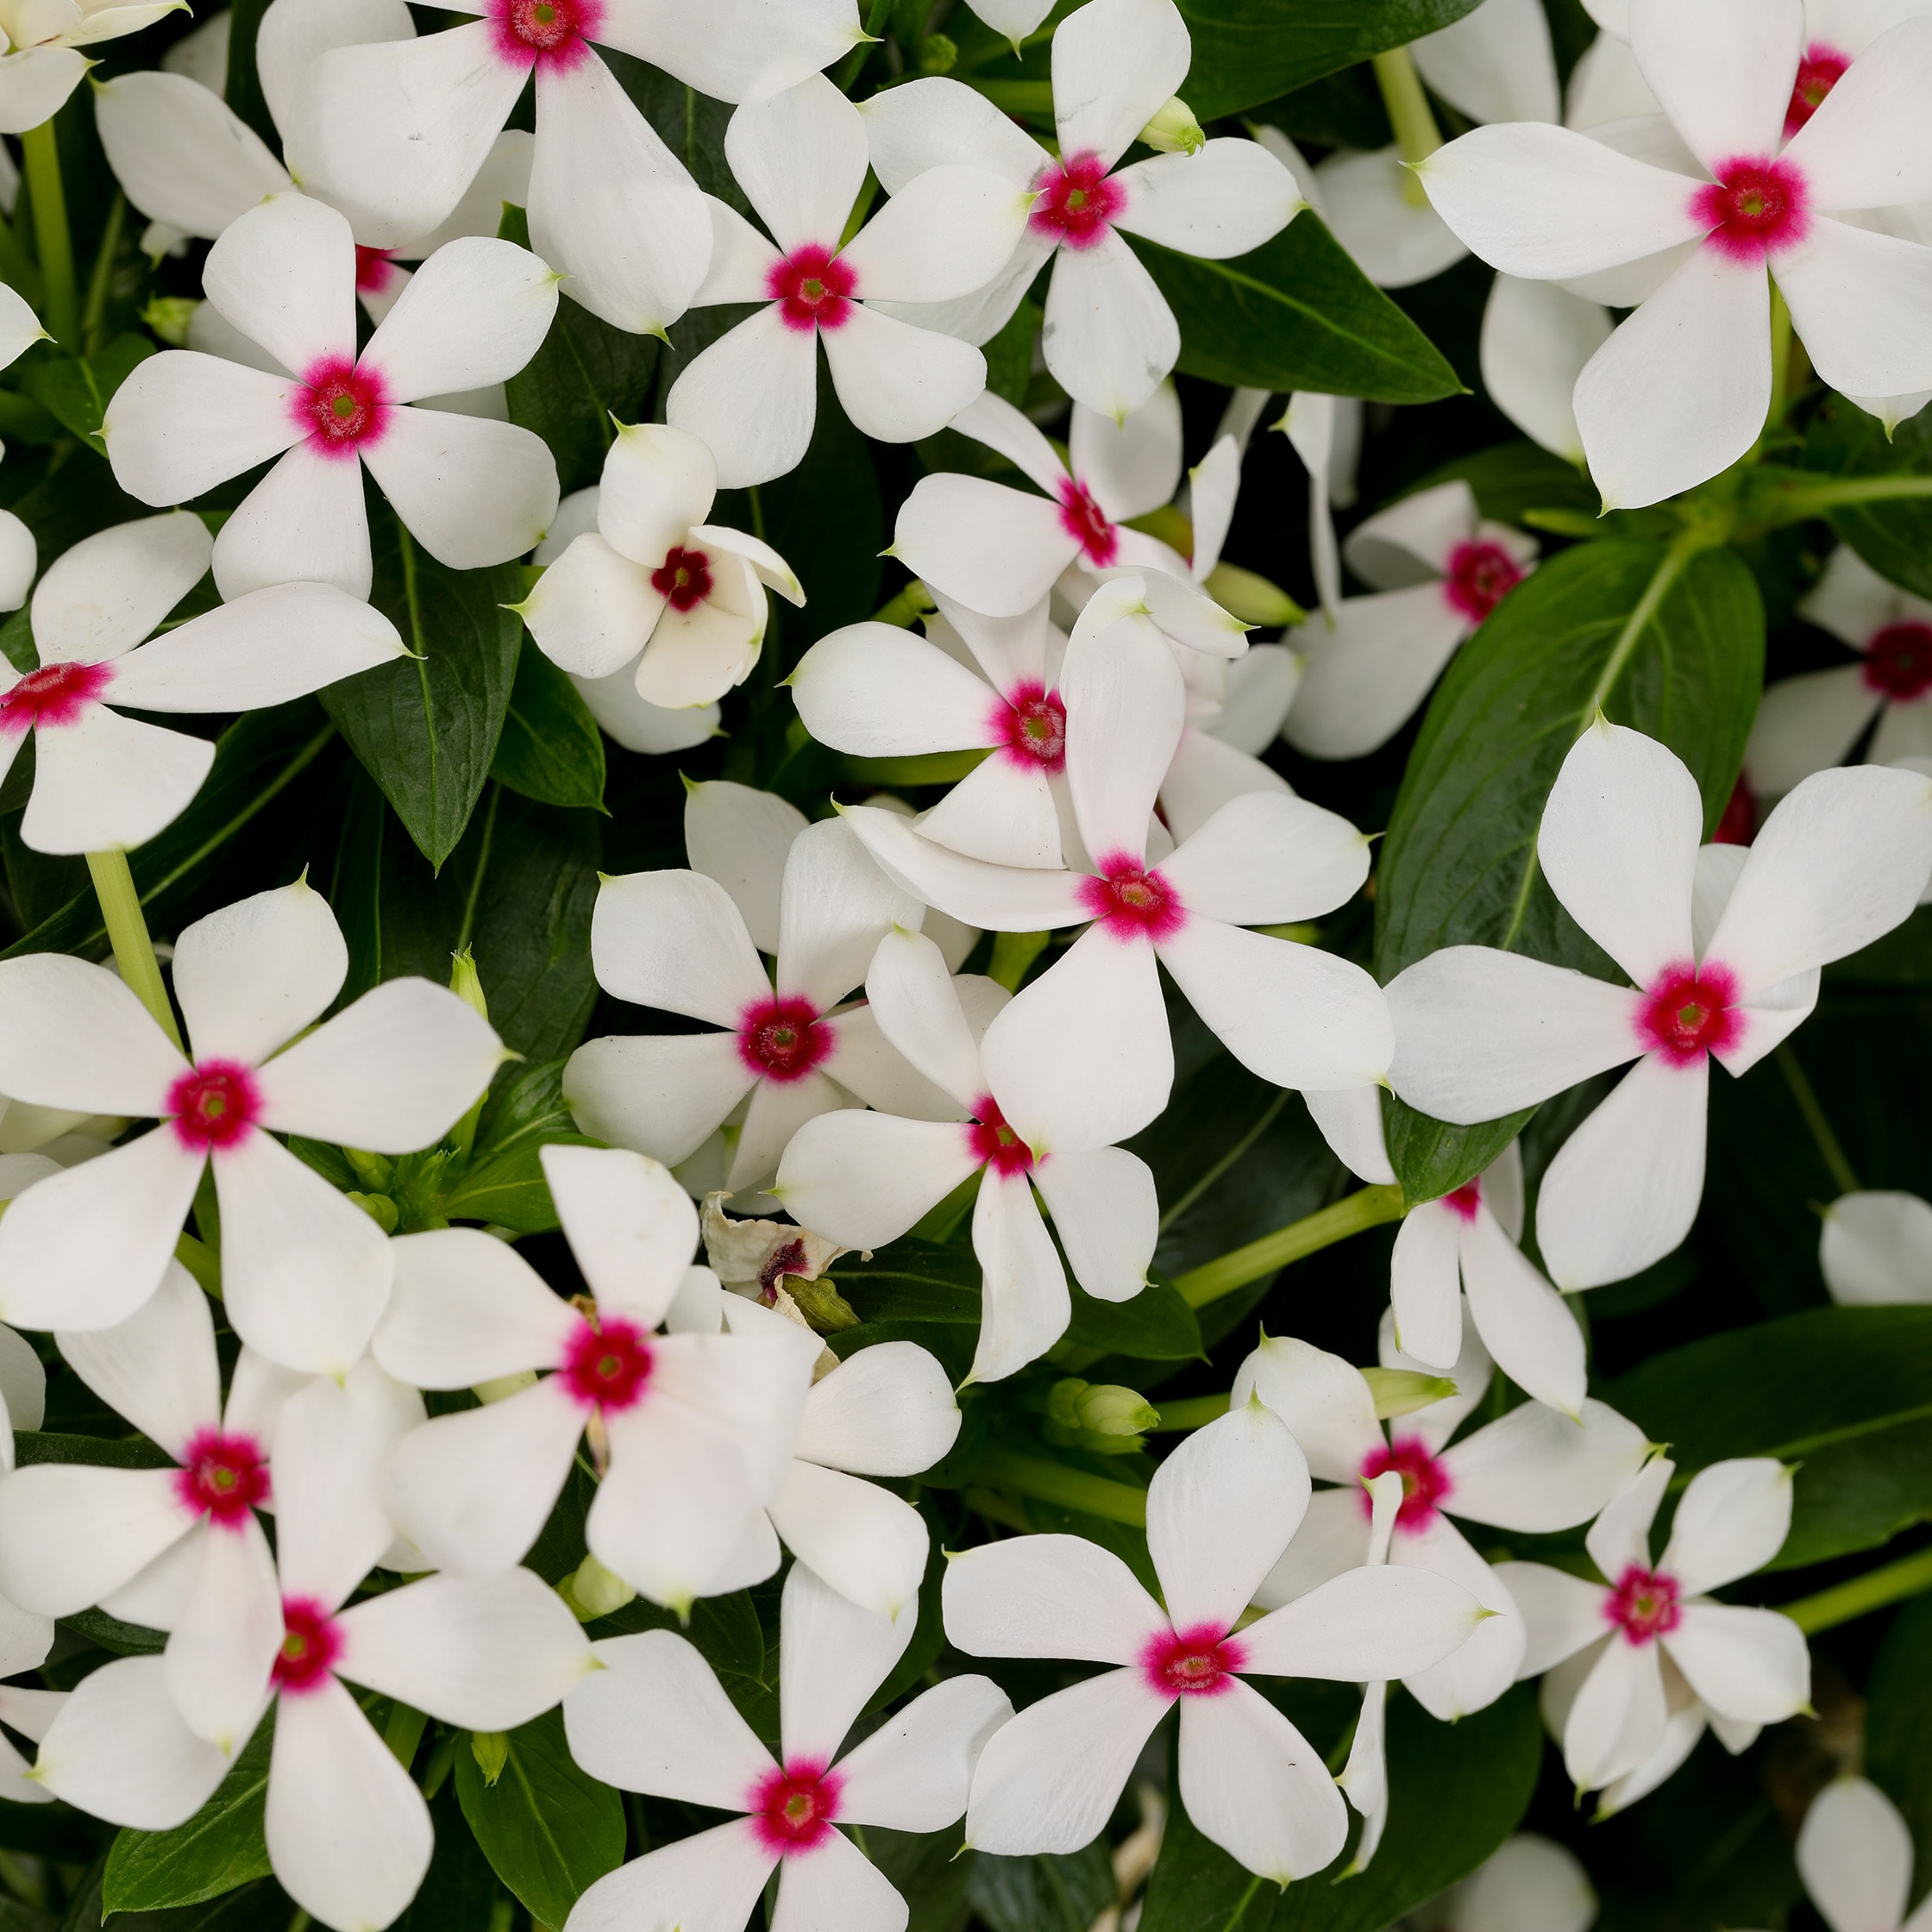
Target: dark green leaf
1156 1325
1898 1731
1051 1893
1894 538
926 1871
460 1891
1297 313
1009 355
79 391
219 1848
75 498
551 750
1431 1158
426 728
547 1828
504 1184
912 1281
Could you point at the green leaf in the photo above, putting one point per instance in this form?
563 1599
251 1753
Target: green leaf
1431 1158
77 391
1845 1393
551 750
1249 51
548 1830
1155 1326
927 1871
460 1892
504 1184
426 728
912 1281
1895 538
1898 1729
1053 1893
1297 313
219 1848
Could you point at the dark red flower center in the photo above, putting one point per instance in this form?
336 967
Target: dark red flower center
1077 201
341 405
1818 72
1130 900
310 1644
781 1039
375 273
213 1104
1752 208
607 1365
54 694
1644 1605
1424 1481
683 580
1197 1662
793 1809
1083 520
994 1143
787 1260
1480 576
546 33
224 1475
1464 1202
1032 726
1898 661
813 286
1689 1011
1740 819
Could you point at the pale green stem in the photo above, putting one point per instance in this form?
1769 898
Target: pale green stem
1891 1583
1366 1208
1830 1151
1191 1412
1417 136
127 932
1072 1489
41 153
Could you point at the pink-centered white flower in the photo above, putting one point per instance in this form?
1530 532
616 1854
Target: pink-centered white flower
472 491
1680 390
304 1272
1110 338
347 1829
1877 1248
690 1432
656 1720
655 586
864 1178
800 159
1854 1853
1809 722
1723 947
1092 1059
106 782
1220 1510
1748 1666
41 64
1533 1471
1440 567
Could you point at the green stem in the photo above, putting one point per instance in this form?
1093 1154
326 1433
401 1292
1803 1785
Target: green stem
127 932
1072 1489
1780 360
1417 136
1191 1412
41 151
1683 548
1830 1151
1891 1583
103 274
1366 1208
1797 502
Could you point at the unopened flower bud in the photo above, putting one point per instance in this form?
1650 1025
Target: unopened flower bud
1402 1391
380 1208
1102 1417
168 316
1173 130
1251 597
938 54
592 1591
465 982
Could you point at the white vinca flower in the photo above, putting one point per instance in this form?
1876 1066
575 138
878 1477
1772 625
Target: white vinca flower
1085 1057
1877 1248
1722 945
1809 722
42 63
348 1828
800 158
691 1434
1533 1471
304 1272
1220 1510
1680 390
1854 1853
864 1178
654 588
1528 1883
1746 1666
1110 338
105 782
472 492
656 1720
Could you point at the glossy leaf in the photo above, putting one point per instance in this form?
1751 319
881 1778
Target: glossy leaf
77 390
504 1184
219 1848
551 750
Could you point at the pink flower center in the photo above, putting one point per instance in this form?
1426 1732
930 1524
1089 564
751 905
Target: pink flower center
1197 1662
1752 208
310 1644
213 1104
793 1809
543 33
781 1039
1644 1605
375 273
1480 576
1087 524
1464 1202
340 405
683 580
1077 201
606 1367
54 694
813 286
1131 901
1033 726
1818 72
1424 1481
1898 661
223 1477
994 1143
1688 1011
1740 819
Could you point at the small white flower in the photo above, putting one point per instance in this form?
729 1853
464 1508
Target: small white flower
42 63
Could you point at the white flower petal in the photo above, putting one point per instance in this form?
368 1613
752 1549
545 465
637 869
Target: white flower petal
1620 1538
71 1533
878 691
862 1179
226 1635
1528 1332
103 597
1267 858
835 1884
1563 1613
1107 1217
660 1095
1495 64
1109 337
1224 199
997 550
292 36
103 782
306 521
120 1750
1733 1518
889 1411
1807 723
1877 1247
472 491
868 1544
711 1879
1425 1284
1350 1121
947 233
928 122
1534 1470
1048 1596
899 383
72 1035
1363 676
474 313
834 908
1476 1673
1024 1306
638 726
1722 72
183 156
1619 1715
675 940
737 50
1387 1621
631 1227
1536 339
1856 297
466 1308
1395 243
918 1009
1855 1855
1323 1400
752 396
913 1773
800 158
157 1368
34 83
1116 63
995 898
1747 1665
833 1656
284 273
740 838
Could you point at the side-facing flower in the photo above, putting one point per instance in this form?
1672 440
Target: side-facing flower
1220 1510
472 491
42 63
1723 947
1877 1247
1747 1666
656 1720
104 782
866 1177
305 1271
691 1432
655 586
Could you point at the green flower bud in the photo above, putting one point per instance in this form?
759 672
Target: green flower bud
1102 1417
1173 130
1244 595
